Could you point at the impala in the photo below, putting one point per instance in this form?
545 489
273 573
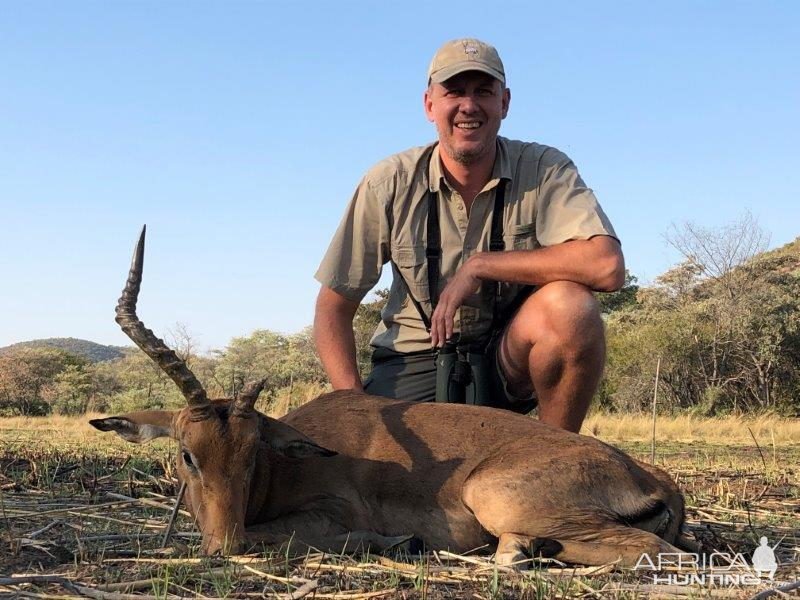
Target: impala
349 466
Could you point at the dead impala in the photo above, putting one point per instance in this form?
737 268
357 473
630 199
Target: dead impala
454 476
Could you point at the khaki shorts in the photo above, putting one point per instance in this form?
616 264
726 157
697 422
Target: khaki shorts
412 377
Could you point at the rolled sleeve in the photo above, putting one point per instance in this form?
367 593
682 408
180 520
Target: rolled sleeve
353 262
566 208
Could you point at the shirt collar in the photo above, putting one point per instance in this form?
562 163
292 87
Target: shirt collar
500 170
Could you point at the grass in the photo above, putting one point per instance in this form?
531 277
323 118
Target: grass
60 477
769 431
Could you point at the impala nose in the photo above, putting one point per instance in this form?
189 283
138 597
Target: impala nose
224 546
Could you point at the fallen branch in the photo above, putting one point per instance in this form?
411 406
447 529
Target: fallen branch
781 589
303 590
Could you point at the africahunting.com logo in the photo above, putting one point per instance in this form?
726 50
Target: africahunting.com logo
719 568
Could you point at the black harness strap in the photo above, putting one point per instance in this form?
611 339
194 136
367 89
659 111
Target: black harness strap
433 251
433 256
497 244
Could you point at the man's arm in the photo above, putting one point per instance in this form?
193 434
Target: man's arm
596 263
333 333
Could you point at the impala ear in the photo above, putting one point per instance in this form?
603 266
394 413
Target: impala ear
303 449
287 440
138 427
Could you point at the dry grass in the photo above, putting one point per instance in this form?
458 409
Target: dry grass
59 477
769 430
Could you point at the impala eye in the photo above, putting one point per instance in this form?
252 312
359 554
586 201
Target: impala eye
187 459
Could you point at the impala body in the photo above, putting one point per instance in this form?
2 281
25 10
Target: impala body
349 466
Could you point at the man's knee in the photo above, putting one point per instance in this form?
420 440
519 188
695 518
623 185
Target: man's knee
562 311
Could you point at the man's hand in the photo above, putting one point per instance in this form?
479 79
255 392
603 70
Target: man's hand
462 285
596 263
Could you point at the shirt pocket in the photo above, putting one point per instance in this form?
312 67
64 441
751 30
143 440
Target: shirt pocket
410 262
524 237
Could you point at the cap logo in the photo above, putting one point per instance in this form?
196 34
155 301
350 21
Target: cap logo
470 50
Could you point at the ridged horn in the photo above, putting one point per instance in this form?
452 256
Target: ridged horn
154 347
245 401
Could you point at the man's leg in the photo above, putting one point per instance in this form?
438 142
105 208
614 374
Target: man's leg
403 376
556 344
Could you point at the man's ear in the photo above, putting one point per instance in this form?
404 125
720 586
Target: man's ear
138 427
285 439
506 101
428 104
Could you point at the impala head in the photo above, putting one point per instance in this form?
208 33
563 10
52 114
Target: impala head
219 440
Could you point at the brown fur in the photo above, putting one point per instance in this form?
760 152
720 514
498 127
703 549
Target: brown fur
454 476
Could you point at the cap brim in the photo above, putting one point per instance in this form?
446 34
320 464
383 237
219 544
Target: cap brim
468 65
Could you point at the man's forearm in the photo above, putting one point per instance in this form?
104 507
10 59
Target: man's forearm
333 333
596 263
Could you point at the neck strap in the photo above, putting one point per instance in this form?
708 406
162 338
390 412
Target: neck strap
433 250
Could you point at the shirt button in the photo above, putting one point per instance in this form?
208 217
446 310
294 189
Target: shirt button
460 206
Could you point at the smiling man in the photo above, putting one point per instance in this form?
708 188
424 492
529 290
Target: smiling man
495 243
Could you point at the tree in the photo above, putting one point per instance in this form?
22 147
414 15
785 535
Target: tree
366 320
622 298
183 342
70 391
249 358
728 340
143 385
717 252
25 376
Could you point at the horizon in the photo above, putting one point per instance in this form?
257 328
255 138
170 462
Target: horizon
238 131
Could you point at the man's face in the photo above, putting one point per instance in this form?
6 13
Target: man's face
467 110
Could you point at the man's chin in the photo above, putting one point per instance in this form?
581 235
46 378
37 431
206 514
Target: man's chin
466 156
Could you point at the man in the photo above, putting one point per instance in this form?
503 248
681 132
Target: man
554 236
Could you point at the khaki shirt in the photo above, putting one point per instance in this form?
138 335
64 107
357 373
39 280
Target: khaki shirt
546 203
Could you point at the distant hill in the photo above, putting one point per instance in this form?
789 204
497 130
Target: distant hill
91 351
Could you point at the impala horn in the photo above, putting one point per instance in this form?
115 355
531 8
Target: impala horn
154 347
246 400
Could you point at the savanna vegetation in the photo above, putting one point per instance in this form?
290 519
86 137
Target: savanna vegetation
722 327
84 514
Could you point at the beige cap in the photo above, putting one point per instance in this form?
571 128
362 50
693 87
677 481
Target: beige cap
467 54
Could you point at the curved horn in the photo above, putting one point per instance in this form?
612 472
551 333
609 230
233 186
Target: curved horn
154 347
243 405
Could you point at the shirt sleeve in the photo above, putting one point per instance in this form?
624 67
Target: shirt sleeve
566 209
360 247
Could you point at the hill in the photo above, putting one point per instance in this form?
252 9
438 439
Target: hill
91 351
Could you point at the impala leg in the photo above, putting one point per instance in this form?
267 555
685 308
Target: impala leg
513 550
622 547
315 531
605 544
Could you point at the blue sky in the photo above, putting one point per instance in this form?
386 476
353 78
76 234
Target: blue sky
238 130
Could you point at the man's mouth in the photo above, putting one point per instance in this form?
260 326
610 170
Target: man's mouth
468 125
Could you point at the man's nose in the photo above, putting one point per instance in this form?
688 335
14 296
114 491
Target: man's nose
468 104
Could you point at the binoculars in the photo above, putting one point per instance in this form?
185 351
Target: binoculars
463 375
